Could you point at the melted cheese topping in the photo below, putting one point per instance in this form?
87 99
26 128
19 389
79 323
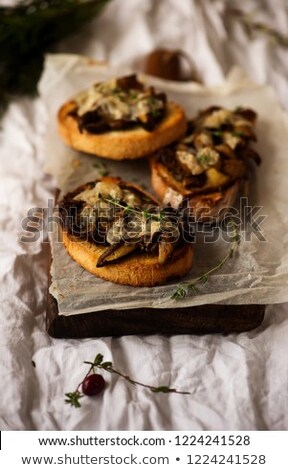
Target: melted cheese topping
101 189
231 139
198 162
118 103
189 160
218 118
115 232
224 116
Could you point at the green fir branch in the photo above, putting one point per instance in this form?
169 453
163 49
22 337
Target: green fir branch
29 30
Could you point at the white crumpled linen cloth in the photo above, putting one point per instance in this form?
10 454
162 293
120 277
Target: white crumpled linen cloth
236 381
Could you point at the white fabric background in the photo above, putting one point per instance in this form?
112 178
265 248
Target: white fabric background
237 381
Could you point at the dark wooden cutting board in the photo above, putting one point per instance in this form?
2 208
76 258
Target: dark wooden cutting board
202 319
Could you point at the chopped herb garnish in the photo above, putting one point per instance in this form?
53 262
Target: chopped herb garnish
204 159
217 133
133 95
155 113
239 134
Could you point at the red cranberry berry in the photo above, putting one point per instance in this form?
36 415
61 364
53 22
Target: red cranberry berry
93 384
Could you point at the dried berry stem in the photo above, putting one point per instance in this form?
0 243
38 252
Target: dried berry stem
73 398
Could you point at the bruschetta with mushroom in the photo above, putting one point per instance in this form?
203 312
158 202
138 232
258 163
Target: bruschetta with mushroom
118 232
207 167
120 119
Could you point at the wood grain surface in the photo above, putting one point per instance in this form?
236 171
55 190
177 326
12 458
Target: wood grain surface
204 319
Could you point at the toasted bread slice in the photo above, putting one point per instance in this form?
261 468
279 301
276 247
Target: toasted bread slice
126 144
119 119
141 270
209 165
116 231
205 207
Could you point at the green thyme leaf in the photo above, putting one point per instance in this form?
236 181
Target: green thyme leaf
194 289
98 359
73 398
239 134
106 365
183 289
217 133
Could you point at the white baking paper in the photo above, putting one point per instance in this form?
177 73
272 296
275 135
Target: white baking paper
256 274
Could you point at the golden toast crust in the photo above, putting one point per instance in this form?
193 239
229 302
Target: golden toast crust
204 206
141 270
126 144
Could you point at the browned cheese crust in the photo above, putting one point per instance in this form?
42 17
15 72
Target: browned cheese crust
126 144
141 270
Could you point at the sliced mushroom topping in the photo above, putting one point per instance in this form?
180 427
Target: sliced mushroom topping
165 251
107 189
225 150
90 196
249 153
115 252
240 122
119 104
212 155
247 114
100 190
87 216
189 139
202 139
154 227
87 100
121 218
218 118
114 107
170 231
148 229
244 131
235 168
188 159
131 198
115 234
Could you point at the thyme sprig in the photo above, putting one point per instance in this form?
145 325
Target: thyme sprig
128 209
192 286
73 398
